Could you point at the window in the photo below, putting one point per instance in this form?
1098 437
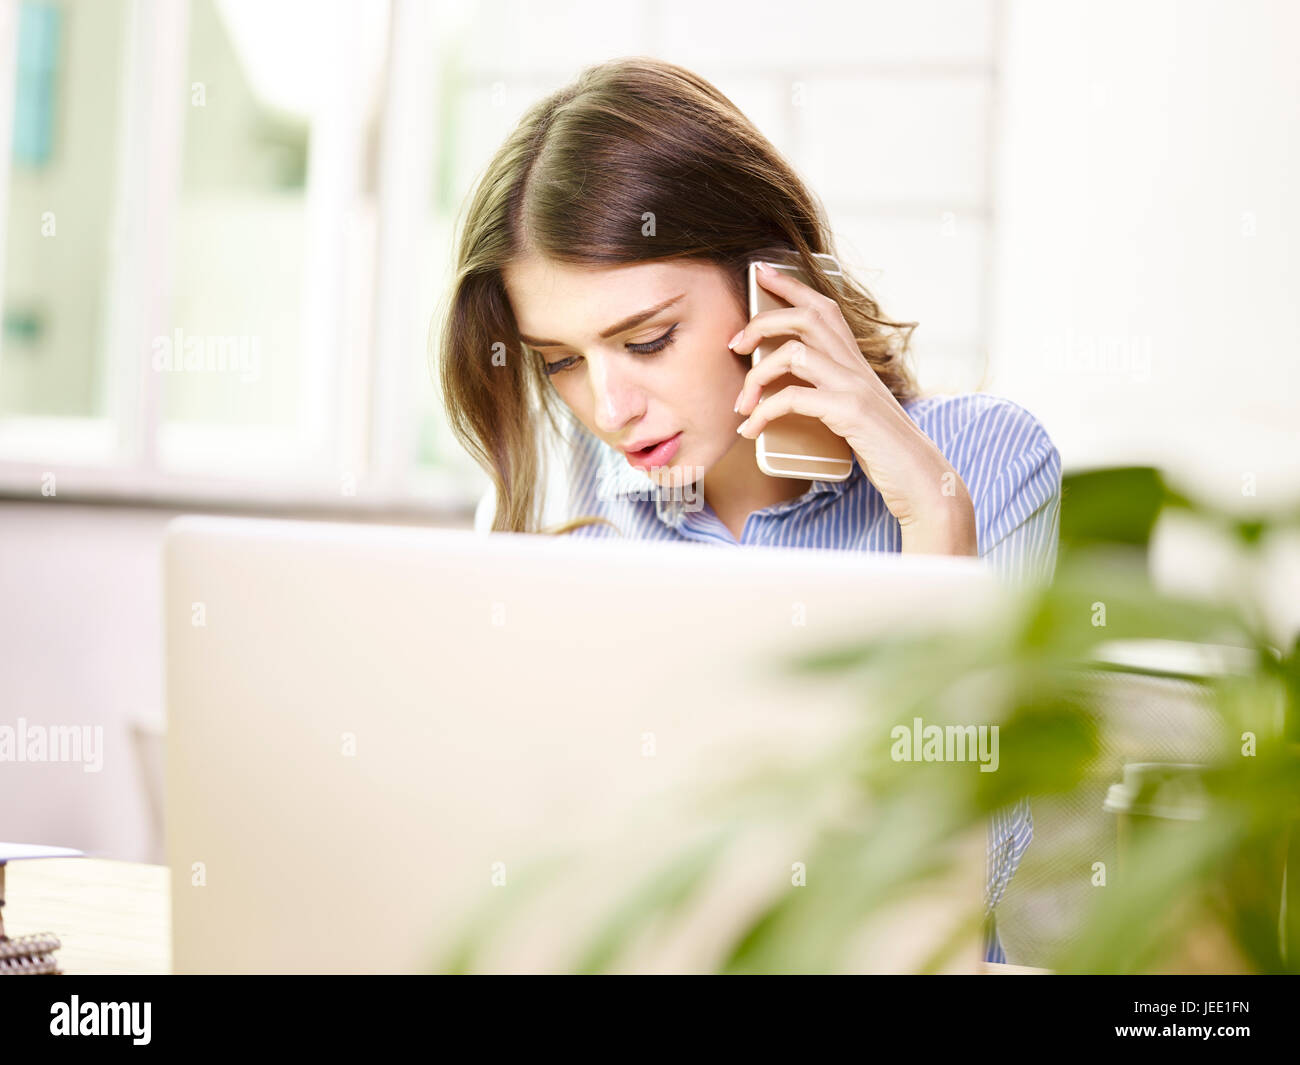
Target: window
226 306
58 240
250 208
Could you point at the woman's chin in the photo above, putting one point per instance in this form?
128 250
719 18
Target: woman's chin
678 472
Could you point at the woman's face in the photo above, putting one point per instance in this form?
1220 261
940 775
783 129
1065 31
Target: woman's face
633 377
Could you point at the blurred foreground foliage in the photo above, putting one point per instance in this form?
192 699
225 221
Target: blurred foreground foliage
1208 897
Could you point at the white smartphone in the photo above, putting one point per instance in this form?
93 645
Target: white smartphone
794 445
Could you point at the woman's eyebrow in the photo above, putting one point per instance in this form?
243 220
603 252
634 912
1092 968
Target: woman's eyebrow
618 327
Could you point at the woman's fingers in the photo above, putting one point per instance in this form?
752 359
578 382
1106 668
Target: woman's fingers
833 408
804 323
793 357
789 288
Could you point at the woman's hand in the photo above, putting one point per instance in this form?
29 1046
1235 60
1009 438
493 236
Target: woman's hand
916 481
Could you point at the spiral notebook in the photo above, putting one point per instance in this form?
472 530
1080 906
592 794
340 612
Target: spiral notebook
29 955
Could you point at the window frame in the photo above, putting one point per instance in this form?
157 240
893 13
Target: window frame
354 448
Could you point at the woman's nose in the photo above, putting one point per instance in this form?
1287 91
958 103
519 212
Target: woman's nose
618 399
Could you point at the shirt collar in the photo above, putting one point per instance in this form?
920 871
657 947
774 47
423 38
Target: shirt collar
619 480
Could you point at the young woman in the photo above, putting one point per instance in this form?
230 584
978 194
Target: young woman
599 306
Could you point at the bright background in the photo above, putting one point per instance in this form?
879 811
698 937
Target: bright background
1085 205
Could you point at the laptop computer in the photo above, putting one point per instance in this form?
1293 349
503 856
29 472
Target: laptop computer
381 739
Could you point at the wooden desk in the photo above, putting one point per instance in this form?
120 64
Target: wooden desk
111 917
114 917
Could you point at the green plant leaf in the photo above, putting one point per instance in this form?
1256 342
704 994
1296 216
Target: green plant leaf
660 895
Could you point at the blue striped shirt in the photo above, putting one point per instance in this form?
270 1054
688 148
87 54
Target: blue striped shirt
1008 463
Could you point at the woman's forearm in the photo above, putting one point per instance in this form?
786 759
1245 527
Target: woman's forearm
945 528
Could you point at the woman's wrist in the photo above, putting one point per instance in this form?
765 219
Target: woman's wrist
945 523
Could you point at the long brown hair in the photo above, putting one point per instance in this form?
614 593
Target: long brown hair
637 160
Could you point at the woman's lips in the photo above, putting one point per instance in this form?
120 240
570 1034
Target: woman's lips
659 455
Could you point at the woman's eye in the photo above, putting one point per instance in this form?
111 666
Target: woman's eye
648 348
658 344
557 367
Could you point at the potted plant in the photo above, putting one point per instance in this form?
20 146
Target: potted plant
1199 893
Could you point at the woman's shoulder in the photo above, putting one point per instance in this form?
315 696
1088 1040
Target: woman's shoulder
949 416
979 423
1012 469
988 438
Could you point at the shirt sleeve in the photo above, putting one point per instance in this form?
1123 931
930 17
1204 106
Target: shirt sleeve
1013 473
1010 831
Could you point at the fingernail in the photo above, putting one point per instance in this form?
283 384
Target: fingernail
732 342
742 426
765 267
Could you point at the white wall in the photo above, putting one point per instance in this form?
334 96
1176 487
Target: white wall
1148 157
81 645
